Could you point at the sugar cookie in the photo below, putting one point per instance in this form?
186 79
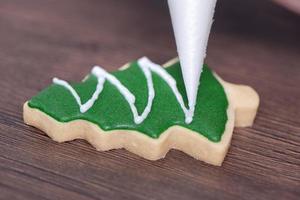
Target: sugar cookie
142 108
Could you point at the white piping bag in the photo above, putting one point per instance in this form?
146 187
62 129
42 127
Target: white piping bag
192 21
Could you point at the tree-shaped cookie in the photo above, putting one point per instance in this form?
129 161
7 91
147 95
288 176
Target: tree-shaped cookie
143 108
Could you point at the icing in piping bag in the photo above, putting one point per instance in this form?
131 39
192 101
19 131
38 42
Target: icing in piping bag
192 20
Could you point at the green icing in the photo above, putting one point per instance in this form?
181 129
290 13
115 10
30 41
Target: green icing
111 111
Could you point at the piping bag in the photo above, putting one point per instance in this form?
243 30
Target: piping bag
192 21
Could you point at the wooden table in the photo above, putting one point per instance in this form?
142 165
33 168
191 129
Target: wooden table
252 42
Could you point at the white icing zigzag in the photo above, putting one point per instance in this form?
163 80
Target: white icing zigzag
147 67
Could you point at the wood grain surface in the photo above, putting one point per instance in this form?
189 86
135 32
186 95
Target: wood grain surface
252 42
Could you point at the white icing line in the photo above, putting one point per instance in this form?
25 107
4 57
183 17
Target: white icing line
172 84
87 105
146 66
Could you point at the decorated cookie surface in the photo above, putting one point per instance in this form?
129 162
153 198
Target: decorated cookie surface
143 108
138 99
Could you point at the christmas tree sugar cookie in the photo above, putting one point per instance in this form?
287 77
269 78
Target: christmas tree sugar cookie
143 108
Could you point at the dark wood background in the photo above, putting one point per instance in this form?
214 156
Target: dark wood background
253 42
